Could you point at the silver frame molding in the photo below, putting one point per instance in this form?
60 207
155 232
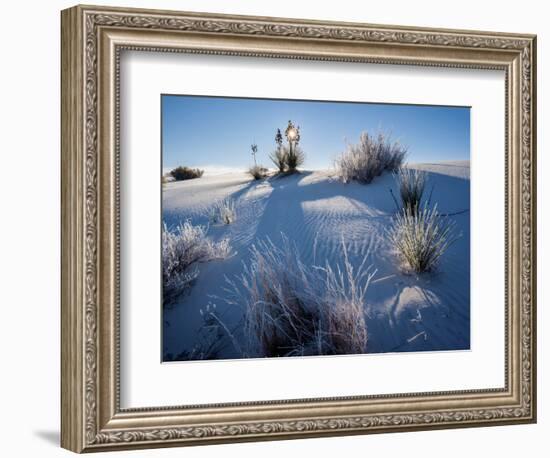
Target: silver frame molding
92 40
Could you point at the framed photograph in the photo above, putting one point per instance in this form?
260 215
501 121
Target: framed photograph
278 228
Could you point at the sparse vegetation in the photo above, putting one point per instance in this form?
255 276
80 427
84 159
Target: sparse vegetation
223 212
182 251
254 149
421 238
185 173
370 158
411 183
258 172
278 157
287 158
291 309
294 158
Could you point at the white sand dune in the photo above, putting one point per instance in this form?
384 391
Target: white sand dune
404 312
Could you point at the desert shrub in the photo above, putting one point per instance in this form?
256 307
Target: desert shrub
278 157
223 212
369 158
421 238
411 183
185 173
182 251
291 309
294 158
257 172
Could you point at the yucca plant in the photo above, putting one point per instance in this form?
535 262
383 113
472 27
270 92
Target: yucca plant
411 183
295 158
421 238
278 157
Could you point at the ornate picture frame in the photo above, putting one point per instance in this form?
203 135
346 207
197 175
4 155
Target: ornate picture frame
92 41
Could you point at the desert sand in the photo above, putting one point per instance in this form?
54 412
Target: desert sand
404 312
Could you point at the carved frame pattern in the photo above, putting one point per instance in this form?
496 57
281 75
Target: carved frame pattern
89 22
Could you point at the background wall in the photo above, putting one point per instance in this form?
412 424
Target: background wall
29 229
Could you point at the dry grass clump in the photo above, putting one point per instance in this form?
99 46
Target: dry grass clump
223 212
182 251
185 173
257 172
411 183
292 309
421 238
370 157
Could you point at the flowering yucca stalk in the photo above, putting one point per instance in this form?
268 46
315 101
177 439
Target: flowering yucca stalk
411 183
421 238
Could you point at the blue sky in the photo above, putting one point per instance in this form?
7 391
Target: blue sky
218 131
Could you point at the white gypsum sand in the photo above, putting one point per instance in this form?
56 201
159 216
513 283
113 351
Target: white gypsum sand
404 312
